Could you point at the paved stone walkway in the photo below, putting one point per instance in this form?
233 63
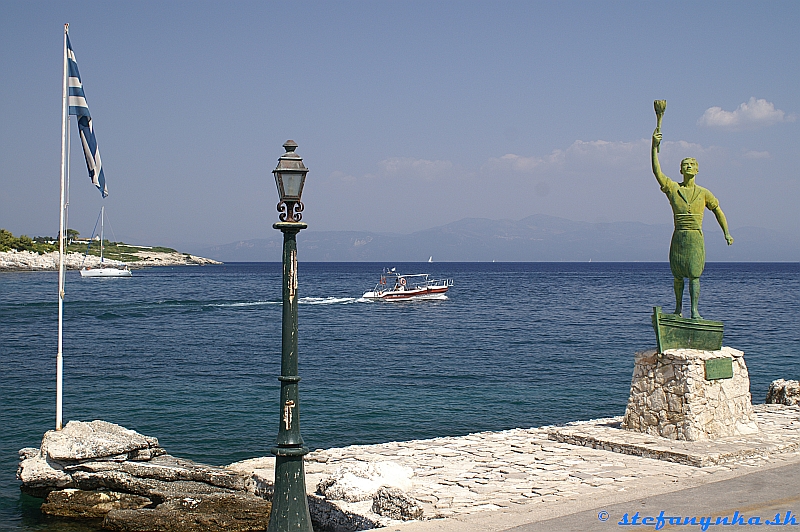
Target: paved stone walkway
779 429
526 469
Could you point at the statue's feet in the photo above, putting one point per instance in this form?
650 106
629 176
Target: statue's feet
677 312
696 316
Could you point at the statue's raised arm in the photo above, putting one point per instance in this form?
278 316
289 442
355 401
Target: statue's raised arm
660 177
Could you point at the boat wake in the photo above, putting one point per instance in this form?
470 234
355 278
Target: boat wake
302 301
327 300
244 304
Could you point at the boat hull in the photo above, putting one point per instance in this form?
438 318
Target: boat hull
105 272
433 292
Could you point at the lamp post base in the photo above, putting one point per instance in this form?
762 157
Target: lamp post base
289 502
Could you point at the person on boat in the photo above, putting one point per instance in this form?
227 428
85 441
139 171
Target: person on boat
687 252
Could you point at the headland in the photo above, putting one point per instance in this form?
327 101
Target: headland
142 258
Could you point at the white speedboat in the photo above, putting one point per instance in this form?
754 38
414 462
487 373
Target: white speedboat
393 286
105 270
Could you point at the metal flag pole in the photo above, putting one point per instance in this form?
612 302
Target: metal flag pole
61 230
66 202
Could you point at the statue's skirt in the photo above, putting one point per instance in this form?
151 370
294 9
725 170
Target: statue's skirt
687 253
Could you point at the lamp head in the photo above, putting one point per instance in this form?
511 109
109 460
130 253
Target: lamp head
290 175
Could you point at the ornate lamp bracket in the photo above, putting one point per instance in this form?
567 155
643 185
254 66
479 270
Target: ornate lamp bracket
290 211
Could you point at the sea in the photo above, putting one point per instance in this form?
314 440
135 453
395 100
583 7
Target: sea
191 355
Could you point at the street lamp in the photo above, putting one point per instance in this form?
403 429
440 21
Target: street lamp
289 502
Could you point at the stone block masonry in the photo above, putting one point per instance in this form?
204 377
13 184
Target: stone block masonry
671 397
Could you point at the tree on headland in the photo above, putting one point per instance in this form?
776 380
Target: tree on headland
23 243
72 234
6 240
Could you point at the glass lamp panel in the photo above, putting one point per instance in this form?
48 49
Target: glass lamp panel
292 184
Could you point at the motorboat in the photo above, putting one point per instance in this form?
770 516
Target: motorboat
394 286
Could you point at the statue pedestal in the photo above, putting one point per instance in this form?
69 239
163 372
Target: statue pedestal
688 394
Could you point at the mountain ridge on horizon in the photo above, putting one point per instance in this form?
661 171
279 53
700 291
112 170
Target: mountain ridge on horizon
535 238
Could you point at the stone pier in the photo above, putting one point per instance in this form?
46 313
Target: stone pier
484 482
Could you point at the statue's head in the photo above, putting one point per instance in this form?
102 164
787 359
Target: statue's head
689 167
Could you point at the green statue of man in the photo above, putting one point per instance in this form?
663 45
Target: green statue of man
687 251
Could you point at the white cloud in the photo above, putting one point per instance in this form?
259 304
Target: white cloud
590 165
752 154
514 162
585 180
407 167
752 114
579 156
342 176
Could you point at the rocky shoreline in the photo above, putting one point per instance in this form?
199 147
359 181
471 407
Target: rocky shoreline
32 261
103 471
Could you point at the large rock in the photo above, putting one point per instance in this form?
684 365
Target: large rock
98 468
90 504
783 392
218 512
394 503
97 440
361 482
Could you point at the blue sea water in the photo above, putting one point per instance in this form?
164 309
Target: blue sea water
191 354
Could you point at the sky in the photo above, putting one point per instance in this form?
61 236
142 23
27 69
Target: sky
409 115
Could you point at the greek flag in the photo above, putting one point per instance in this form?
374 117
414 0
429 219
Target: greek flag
79 108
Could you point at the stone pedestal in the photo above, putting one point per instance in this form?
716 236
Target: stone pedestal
672 398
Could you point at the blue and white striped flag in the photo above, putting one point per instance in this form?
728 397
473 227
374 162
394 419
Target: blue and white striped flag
79 108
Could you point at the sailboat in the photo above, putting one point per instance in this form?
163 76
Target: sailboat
104 270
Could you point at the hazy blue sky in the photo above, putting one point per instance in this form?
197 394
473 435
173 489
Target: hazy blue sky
408 114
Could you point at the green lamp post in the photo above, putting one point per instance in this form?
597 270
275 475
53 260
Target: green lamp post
289 502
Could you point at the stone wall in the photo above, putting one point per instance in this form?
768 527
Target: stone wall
670 396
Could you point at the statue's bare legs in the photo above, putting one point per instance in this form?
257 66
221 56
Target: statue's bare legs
694 294
678 285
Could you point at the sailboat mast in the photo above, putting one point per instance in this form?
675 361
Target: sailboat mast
61 236
102 223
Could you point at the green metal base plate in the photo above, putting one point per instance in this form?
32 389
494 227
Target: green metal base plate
675 332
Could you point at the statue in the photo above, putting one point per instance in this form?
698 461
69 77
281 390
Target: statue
687 253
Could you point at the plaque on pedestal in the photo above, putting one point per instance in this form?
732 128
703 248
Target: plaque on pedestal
675 332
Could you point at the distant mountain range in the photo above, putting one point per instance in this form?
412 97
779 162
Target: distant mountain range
532 239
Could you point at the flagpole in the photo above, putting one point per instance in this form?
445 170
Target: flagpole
59 357
66 192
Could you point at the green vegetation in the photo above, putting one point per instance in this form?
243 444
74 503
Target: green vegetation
38 244
45 244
